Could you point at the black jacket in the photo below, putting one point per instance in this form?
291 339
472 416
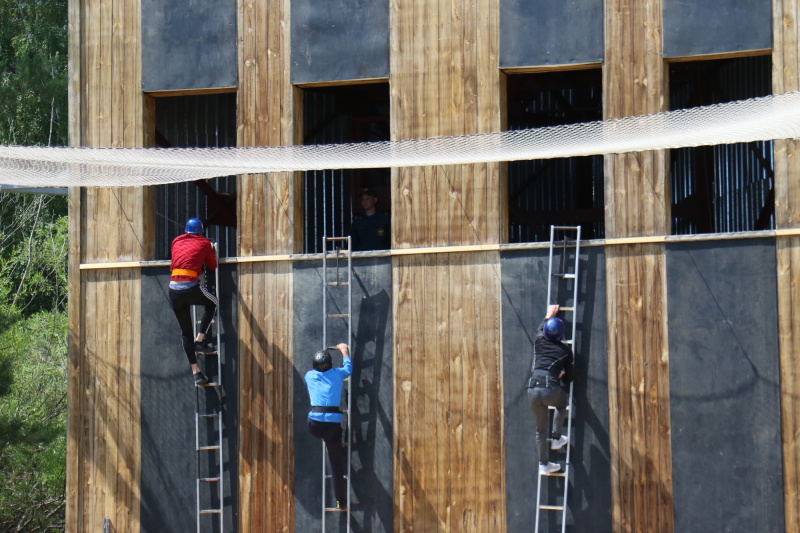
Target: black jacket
552 356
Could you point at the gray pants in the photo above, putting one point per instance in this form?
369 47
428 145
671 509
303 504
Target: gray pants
540 398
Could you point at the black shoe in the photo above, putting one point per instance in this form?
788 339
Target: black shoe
204 348
200 379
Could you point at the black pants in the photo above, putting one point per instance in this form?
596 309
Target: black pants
331 433
181 302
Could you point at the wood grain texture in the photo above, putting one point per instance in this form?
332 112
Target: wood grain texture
266 442
106 109
786 78
267 209
788 262
104 417
637 204
448 467
445 81
638 366
265 118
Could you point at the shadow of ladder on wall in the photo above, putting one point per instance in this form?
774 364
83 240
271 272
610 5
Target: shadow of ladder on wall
208 421
562 267
337 282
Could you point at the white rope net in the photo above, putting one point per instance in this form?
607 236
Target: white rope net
757 119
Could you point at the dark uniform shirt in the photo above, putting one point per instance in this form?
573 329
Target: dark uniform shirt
552 356
371 232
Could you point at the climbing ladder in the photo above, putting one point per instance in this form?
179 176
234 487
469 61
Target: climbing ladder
336 280
209 419
563 265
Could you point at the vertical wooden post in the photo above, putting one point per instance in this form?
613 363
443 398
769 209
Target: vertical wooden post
448 468
637 196
106 109
266 213
786 78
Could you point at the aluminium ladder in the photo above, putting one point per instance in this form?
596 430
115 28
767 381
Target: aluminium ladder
335 281
570 277
211 421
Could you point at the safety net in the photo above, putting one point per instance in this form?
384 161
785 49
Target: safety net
757 119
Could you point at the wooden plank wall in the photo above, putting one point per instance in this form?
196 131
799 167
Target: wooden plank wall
266 226
636 196
786 78
103 458
448 469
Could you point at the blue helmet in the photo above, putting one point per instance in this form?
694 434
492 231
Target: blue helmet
554 329
193 225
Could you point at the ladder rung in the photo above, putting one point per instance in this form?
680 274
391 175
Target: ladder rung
209 479
555 474
565 276
209 384
553 407
207 448
212 415
338 284
567 341
338 316
210 511
551 507
335 510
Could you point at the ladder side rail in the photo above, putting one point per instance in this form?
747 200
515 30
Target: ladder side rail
220 482
197 453
324 346
538 498
349 428
550 268
575 292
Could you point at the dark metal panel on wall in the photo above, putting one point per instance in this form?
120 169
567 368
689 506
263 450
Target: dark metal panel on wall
168 403
372 395
532 32
337 41
698 27
524 293
724 386
188 44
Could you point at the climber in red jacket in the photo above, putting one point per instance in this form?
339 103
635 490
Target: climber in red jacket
190 253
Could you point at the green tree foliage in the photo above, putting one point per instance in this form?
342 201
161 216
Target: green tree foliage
33 354
33 262
33 72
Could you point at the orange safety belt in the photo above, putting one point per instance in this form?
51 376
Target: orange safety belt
185 272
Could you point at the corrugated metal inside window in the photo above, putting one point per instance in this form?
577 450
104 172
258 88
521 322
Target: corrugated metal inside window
200 121
729 187
353 113
565 191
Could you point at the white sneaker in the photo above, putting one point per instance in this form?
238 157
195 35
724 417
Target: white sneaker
557 444
549 468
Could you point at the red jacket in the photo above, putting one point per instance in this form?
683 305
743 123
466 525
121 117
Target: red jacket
189 253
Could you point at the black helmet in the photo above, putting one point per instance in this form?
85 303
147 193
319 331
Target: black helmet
322 361
554 329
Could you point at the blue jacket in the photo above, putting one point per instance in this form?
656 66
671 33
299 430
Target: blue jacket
325 389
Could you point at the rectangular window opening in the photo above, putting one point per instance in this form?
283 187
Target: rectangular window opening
333 200
566 191
196 121
727 187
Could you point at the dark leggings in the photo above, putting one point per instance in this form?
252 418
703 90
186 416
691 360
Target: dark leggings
182 302
331 433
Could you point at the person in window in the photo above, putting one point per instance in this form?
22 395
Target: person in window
553 367
190 253
372 230
324 422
